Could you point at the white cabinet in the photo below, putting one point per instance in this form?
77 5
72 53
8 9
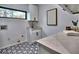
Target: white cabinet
35 35
33 10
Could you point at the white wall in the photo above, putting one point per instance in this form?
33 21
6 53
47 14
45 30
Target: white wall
64 19
33 9
13 33
15 27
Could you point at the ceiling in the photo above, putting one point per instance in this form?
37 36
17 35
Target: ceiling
72 8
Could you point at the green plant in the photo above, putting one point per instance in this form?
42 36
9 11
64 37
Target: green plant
75 22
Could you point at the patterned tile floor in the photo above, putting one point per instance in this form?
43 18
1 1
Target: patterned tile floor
22 48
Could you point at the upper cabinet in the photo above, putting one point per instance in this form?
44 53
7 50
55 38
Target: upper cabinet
33 12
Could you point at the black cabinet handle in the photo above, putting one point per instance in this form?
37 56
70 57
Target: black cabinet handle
37 33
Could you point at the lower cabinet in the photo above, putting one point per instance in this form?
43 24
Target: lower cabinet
35 35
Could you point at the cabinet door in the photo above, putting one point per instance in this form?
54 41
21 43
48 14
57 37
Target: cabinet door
35 36
38 34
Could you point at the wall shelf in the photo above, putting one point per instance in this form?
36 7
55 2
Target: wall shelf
32 21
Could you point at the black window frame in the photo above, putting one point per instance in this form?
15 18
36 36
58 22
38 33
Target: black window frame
14 10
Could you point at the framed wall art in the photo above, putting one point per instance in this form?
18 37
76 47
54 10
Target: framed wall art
52 17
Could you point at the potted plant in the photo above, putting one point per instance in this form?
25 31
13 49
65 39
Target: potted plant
75 23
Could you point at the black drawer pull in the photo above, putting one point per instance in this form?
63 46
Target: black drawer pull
37 33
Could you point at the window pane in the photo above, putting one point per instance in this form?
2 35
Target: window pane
2 12
17 14
12 13
9 13
28 16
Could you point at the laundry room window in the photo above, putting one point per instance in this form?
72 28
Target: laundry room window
12 13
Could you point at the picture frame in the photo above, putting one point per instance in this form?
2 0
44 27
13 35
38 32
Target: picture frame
52 17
